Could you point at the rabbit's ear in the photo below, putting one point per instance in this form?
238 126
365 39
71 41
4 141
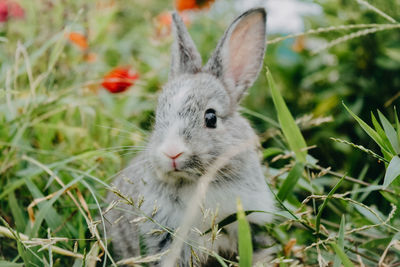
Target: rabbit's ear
240 52
185 57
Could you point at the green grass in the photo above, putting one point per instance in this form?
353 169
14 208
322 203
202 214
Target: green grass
63 138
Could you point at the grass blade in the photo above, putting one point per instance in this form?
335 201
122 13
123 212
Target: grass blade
371 132
318 219
271 151
18 215
52 218
10 264
343 257
381 133
289 127
290 181
244 238
392 172
219 259
396 118
390 132
337 261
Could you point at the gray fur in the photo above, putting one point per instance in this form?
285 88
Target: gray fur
185 57
180 127
222 57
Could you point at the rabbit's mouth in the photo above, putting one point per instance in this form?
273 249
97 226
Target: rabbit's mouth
189 169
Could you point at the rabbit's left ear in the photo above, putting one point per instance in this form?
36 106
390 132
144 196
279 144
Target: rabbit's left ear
185 57
240 52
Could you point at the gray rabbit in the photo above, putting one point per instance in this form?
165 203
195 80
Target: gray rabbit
197 122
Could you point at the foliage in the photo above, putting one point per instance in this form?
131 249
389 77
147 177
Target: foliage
63 137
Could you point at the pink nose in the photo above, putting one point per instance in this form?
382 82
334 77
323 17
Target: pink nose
174 155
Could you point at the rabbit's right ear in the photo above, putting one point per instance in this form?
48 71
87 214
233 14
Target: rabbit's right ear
239 55
185 57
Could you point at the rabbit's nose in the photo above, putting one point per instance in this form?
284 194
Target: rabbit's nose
173 155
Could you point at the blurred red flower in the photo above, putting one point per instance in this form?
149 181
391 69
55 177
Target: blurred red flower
192 4
78 39
10 9
119 79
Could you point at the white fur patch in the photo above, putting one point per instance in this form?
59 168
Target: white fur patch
178 99
172 145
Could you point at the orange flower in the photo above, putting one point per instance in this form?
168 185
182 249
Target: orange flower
192 4
119 79
79 40
163 23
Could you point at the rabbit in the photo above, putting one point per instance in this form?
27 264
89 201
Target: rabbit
197 122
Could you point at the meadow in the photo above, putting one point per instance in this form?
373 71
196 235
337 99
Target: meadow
324 107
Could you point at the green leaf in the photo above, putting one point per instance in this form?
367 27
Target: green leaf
392 172
289 127
337 261
271 151
321 208
391 198
219 259
244 238
371 132
78 263
376 243
10 264
53 219
18 215
259 116
367 215
290 181
396 118
393 53
390 132
46 209
343 257
382 134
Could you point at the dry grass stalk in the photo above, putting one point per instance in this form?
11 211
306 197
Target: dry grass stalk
354 35
43 242
324 30
376 10
136 261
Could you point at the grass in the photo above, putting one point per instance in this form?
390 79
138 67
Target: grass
63 138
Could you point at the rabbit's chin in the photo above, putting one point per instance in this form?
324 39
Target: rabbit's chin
178 177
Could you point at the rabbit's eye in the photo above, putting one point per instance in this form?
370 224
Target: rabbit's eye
210 118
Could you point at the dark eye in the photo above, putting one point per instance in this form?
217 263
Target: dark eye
210 118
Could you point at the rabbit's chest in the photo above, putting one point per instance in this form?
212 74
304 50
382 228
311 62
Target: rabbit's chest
168 207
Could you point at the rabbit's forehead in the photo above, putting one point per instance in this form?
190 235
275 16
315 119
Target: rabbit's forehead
195 92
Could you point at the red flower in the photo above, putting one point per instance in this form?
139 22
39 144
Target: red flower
192 4
119 79
78 39
10 9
